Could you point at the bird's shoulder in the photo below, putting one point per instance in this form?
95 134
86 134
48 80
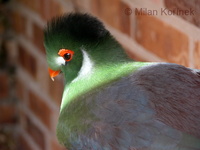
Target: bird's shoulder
174 92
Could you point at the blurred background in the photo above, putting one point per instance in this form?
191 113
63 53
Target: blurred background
149 30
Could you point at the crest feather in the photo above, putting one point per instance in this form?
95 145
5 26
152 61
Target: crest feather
76 25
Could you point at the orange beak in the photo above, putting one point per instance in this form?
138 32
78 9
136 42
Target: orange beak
53 73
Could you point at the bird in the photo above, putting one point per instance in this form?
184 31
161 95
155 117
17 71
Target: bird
112 102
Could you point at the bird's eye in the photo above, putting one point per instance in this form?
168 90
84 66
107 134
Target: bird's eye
66 54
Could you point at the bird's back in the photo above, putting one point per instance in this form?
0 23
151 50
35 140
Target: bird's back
174 91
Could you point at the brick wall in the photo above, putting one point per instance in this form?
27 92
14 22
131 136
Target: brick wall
149 30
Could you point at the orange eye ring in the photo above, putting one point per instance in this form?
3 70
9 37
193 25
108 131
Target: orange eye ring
66 54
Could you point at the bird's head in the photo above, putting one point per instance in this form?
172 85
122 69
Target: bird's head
75 42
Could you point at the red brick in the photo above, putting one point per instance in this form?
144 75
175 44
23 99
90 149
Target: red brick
35 5
38 37
20 90
162 39
22 117
95 5
27 61
8 114
108 11
44 9
125 14
23 144
22 56
50 8
62 10
4 85
193 5
54 8
32 65
40 108
18 23
43 77
197 55
36 134
56 90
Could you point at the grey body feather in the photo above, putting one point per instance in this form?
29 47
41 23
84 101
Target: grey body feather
155 108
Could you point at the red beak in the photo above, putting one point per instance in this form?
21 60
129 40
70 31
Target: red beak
53 73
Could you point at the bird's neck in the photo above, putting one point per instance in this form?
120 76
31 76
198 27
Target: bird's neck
101 65
96 77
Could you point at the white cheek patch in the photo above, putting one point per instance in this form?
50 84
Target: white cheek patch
86 68
87 64
60 61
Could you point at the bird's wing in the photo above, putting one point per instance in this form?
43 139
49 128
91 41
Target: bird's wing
174 91
155 108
